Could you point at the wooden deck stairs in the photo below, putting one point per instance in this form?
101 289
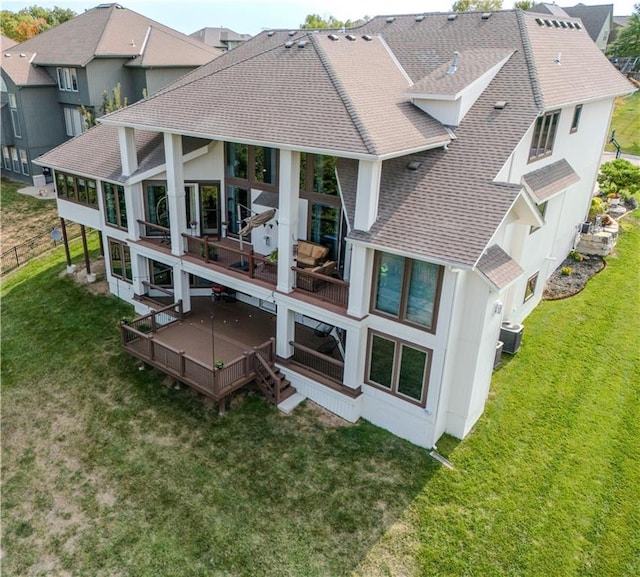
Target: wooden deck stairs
271 381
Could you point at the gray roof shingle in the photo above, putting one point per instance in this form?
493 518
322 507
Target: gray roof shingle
110 31
18 67
549 180
498 267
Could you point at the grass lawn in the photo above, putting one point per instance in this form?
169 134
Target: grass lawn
106 471
626 122
23 217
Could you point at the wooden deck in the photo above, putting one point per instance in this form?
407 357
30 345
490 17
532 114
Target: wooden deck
216 348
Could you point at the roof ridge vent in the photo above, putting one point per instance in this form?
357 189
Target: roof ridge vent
454 63
390 19
292 32
289 44
500 104
271 33
333 37
570 25
452 17
577 25
540 21
367 37
351 37
486 15
302 43
420 18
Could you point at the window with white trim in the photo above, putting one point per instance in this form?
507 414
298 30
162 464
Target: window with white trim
14 159
15 119
67 79
72 121
24 162
120 257
6 158
530 288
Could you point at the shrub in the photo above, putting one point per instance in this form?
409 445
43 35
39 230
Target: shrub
598 208
619 176
574 255
566 270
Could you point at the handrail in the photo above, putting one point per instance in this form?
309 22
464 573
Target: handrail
165 290
322 356
320 276
154 225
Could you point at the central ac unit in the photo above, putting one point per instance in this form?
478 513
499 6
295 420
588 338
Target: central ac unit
511 336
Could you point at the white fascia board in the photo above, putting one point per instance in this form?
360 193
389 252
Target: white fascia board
550 107
148 174
431 96
413 255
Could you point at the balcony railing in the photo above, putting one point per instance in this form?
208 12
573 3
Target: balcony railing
155 231
322 286
225 254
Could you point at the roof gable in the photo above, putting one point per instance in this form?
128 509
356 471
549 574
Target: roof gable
108 30
18 67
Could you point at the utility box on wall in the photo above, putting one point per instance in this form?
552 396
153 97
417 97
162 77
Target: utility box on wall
497 360
511 336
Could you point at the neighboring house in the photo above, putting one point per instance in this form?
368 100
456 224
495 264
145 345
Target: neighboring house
221 38
598 20
52 81
431 170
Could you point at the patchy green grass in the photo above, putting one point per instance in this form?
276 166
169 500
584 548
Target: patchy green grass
23 217
548 483
626 123
107 471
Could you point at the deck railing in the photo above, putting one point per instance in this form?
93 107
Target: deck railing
222 254
322 286
153 230
319 363
138 339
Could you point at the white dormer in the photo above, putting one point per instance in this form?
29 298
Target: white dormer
450 91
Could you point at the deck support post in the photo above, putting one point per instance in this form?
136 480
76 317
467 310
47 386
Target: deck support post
63 225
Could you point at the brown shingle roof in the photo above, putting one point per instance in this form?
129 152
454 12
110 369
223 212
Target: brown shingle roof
583 74
96 153
549 180
326 95
108 31
18 67
498 267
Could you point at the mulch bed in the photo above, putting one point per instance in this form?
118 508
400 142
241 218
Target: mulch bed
561 286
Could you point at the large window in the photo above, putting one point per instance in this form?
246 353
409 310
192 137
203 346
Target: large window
157 206
120 257
115 205
77 189
544 135
15 160
72 121
319 185
67 79
24 162
15 120
406 289
237 207
251 166
6 157
398 367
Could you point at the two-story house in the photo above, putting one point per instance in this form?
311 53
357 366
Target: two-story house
55 83
389 196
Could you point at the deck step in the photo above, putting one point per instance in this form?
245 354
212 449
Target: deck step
291 403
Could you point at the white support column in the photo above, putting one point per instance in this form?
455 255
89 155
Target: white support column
175 191
140 272
287 217
359 281
285 332
367 193
353 355
128 152
181 289
134 200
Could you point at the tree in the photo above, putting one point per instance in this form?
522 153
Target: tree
627 42
315 21
619 176
476 5
524 4
28 22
